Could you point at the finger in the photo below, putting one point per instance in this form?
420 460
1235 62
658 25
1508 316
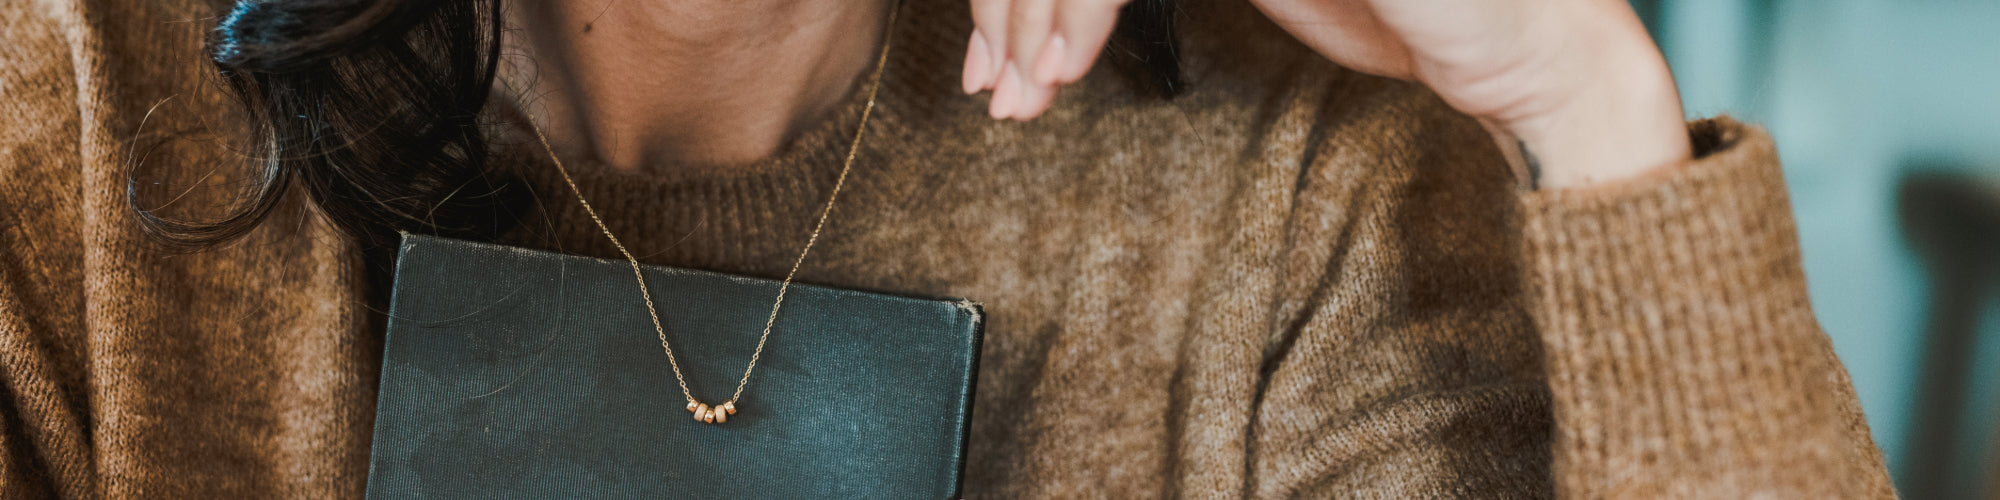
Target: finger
1006 93
1082 27
1035 98
989 20
978 64
1049 61
1029 23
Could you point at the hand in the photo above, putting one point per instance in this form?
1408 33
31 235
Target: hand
1578 82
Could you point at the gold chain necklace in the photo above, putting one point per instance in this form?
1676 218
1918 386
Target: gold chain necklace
720 413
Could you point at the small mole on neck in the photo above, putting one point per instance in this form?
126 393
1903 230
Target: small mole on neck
588 26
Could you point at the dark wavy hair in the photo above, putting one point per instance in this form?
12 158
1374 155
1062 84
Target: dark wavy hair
371 109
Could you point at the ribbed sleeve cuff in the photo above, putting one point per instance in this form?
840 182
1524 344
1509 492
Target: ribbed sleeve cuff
1681 349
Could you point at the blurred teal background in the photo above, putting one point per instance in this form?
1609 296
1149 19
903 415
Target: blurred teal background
1863 95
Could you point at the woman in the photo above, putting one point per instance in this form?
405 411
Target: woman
1281 254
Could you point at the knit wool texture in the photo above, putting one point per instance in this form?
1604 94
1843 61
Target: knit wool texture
1293 280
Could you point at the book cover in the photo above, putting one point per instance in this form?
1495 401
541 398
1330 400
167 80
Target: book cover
517 373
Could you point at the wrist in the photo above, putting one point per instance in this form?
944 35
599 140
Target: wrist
1623 120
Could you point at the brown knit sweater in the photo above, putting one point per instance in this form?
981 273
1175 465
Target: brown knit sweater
1293 280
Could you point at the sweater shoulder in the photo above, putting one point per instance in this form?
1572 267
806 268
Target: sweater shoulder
90 81
1414 194
38 78
40 158
114 99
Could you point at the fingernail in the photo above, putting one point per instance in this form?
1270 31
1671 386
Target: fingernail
1006 93
1076 64
978 70
1034 100
1049 65
1026 91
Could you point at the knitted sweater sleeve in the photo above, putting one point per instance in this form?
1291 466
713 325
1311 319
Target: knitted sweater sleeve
1681 352
1445 334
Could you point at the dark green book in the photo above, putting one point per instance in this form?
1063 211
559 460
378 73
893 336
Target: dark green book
520 374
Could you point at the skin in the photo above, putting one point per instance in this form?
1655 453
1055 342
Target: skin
1579 83
1576 83
696 84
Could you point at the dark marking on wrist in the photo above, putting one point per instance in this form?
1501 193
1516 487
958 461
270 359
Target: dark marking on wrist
1533 164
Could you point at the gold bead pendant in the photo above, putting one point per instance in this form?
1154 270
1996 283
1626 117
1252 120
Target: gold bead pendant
711 414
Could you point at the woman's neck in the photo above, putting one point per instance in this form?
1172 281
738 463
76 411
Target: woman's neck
704 82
